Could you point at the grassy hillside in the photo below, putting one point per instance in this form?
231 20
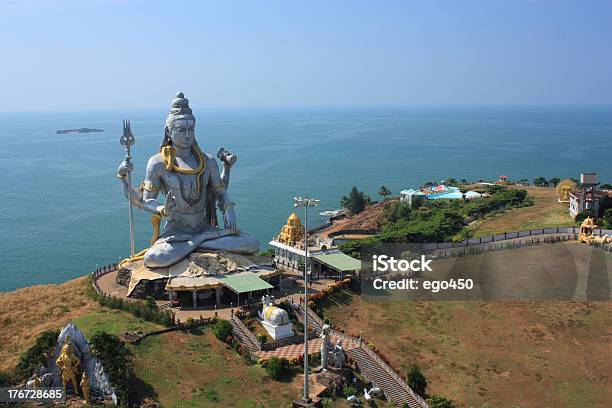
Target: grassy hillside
504 353
176 369
187 370
26 313
546 212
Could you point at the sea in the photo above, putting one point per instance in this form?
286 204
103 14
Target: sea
63 213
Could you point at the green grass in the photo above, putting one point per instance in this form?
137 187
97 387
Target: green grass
198 370
112 321
582 394
546 212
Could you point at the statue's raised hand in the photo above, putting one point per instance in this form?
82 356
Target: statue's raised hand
229 219
124 168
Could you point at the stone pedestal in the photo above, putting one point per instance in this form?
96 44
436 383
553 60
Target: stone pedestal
201 270
332 381
278 332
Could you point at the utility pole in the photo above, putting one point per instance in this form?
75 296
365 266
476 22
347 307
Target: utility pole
305 202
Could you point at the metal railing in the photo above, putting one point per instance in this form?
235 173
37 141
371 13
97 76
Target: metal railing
319 227
473 249
101 271
354 231
507 236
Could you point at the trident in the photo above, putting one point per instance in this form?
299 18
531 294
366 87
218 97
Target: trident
127 140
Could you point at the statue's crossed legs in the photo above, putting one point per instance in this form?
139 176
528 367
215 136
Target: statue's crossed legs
171 249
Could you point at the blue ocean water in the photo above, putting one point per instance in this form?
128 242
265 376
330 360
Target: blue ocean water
63 212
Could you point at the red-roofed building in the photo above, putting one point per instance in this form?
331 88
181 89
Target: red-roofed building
503 179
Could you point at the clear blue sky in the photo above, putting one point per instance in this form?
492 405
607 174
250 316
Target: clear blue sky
106 54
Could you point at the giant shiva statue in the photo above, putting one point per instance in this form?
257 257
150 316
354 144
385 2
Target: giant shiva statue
193 189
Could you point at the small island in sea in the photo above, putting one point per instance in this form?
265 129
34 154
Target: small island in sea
80 130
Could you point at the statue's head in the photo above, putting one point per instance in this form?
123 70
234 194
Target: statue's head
180 124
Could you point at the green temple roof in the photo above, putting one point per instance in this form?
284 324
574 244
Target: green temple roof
339 261
244 282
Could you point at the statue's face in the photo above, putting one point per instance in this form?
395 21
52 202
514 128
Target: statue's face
183 132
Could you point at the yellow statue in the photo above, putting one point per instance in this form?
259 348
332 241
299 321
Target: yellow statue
564 188
85 387
68 363
586 230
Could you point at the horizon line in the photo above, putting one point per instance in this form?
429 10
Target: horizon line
324 107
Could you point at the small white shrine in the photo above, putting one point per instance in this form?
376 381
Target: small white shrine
275 320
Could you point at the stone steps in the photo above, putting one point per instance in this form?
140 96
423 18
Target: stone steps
378 376
376 371
163 306
243 338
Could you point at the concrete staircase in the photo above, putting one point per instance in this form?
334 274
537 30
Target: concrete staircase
380 377
243 335
371 366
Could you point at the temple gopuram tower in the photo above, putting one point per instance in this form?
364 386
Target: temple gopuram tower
292 233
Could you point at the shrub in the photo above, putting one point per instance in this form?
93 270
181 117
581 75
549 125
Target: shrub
277 368
145 310
581 216
416 380
327 402
607 218
150 303
37 355
440 402
212 395
5 379
326 317
222 329
246 355
348 390
268 252
262 337
116 360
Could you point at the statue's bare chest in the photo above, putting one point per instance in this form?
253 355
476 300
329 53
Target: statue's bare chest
189 190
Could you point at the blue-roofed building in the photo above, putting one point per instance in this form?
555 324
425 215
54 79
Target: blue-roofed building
437 193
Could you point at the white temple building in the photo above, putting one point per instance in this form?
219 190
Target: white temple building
325 259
